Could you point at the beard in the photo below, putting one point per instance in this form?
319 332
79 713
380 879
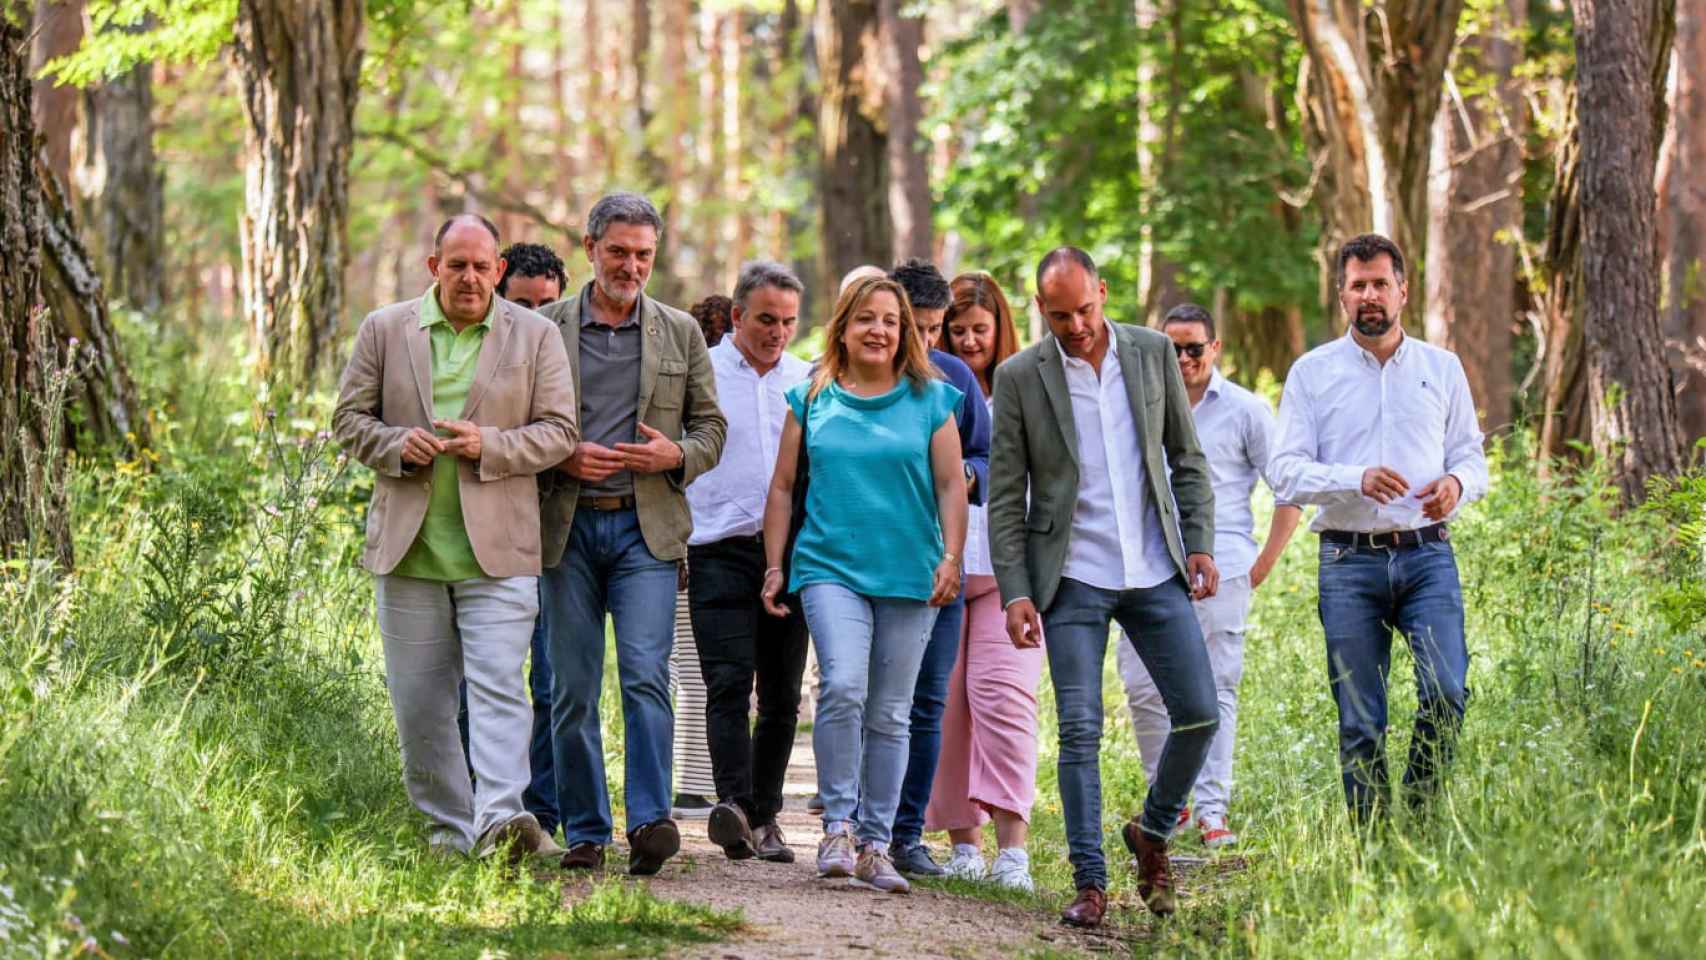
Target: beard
1373 323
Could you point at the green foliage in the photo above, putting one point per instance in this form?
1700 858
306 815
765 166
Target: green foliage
1679 504
128 32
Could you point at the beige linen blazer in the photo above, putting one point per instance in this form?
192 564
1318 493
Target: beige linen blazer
522 399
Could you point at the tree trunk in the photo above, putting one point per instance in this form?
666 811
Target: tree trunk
1020 12
853 172
1157 277
58 32
1564 405
1475 215
121 188
1622 49
908 159
297 66
1373 86
33 506
1682 219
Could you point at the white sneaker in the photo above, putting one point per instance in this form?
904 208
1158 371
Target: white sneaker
966 863
1012 870
1215 833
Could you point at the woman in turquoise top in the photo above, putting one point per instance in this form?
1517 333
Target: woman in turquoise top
878 553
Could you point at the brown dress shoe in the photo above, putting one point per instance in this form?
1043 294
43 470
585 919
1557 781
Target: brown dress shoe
650 845
728 828
583 856
1087 909
1154 870
772 846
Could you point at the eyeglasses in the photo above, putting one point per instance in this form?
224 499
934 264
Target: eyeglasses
1195 350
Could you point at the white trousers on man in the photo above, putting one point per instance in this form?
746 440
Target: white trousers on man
436 635
1222 620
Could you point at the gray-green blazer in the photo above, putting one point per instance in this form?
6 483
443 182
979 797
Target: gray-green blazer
678 398
1036 449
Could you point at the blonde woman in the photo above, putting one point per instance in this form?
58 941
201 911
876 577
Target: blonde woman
877 553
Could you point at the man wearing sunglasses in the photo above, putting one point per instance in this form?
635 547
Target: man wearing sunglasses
1236 430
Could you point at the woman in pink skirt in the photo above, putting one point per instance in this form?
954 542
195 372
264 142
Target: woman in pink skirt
988 765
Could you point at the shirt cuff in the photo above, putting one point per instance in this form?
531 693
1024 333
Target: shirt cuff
1013 601
1349 478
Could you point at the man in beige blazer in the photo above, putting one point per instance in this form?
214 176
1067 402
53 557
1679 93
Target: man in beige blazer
457 400
616 523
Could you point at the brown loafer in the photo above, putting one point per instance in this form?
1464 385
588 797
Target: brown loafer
1154 870
1087 909
650 845
772 846
585 855
728 828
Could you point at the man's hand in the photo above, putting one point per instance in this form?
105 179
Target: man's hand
1260 569
771 593
464 439
1203 574
1440 497
592 462
1024 626
420 446
657 454
1383 484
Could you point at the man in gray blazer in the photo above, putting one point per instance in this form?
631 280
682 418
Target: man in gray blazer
1082 527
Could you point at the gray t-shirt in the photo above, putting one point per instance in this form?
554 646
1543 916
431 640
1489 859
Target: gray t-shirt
610 390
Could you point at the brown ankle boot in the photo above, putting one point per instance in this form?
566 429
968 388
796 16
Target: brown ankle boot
1087 909
1154 870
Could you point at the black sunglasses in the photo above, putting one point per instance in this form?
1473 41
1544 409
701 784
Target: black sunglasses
1194 349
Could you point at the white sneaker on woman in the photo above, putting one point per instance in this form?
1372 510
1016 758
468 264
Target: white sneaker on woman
1012 870
966 863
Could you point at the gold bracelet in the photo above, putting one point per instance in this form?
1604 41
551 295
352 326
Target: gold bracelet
946 556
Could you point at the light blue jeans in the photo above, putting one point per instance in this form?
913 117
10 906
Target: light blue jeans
868 651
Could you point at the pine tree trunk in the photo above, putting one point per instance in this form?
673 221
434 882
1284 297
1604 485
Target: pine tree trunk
908 159
57 108
121 188
1682 219
297 71
853 148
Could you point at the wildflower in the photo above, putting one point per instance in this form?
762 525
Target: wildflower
323 436
272 511
1700 664
119 938
312 503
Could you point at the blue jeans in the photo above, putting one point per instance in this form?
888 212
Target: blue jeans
1163 628
868 650
1366 593
929 699
608 569
540 797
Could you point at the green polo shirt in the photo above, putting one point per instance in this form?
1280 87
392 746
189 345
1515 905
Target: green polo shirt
441 550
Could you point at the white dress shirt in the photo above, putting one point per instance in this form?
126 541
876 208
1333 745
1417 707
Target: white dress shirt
1236 430
1343 412
977 562
1117 541
728 500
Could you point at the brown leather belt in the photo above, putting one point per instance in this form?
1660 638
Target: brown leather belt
606 504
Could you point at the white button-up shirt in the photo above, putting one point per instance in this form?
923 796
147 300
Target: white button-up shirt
1236 430
1343 412
728 500
977 562
1117 541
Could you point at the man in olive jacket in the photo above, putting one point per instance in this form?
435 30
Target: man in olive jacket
615 522
1082 527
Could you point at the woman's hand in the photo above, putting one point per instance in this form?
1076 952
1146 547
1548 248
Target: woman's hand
772 592
947 581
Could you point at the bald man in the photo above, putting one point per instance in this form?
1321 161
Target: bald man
456 400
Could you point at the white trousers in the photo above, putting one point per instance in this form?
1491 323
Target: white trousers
1222 620
692 749
437 634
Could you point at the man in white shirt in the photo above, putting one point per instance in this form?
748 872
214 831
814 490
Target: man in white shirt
1235 428
1379 429
739 643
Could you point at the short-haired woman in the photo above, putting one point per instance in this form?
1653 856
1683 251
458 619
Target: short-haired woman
988 767
876 555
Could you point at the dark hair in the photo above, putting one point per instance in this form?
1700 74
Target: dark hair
444 228
925 286
1190 313
622 207
714 314
1060 255
1365 248
532 260
765 273
979 289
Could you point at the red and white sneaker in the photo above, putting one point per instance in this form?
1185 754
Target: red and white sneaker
1215 832
1184 817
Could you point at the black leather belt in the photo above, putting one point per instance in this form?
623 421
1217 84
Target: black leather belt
1390 539
607 504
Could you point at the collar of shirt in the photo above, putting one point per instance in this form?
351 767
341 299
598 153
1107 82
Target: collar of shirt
432 313
1216 383
1362 354
1110 359
590 318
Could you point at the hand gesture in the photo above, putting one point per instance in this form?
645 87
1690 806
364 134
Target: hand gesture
464 439
1204 576
1024 626
772 592
1440 497
1383 484
945 585
592 462
420 446
657 454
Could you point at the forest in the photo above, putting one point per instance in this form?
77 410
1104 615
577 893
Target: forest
201 199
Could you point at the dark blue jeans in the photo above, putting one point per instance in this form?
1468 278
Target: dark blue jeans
1163 629
540 797
607 569
929 699
1366 593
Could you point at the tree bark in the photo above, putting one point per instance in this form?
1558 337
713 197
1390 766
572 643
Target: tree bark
852 143
1682 219
58 32
1622 50
1373 87
297 70
1475 215
121 188
908 160
1157 277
